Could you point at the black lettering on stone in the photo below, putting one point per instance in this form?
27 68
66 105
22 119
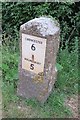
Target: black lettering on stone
36 41
32 61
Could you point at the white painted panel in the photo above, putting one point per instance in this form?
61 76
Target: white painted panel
33 53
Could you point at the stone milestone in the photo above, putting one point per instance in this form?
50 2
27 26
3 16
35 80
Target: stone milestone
39 43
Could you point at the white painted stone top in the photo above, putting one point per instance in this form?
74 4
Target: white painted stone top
46 25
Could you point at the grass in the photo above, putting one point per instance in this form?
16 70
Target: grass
0 84
65 86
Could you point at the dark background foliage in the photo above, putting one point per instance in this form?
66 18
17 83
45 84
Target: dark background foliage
15 14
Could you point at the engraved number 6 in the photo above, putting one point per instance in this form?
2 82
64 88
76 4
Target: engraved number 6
33 47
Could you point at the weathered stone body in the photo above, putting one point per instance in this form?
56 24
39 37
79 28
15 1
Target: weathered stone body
32 85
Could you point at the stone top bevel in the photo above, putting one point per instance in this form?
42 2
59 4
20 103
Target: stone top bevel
46 26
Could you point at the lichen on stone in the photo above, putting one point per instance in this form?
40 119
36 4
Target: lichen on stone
46 25
39 78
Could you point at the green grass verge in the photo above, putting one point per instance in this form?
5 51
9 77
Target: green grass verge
66 85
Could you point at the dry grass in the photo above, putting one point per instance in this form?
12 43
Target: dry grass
72 103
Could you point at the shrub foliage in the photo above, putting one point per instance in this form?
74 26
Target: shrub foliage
15 14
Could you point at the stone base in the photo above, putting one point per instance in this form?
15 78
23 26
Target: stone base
28 88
